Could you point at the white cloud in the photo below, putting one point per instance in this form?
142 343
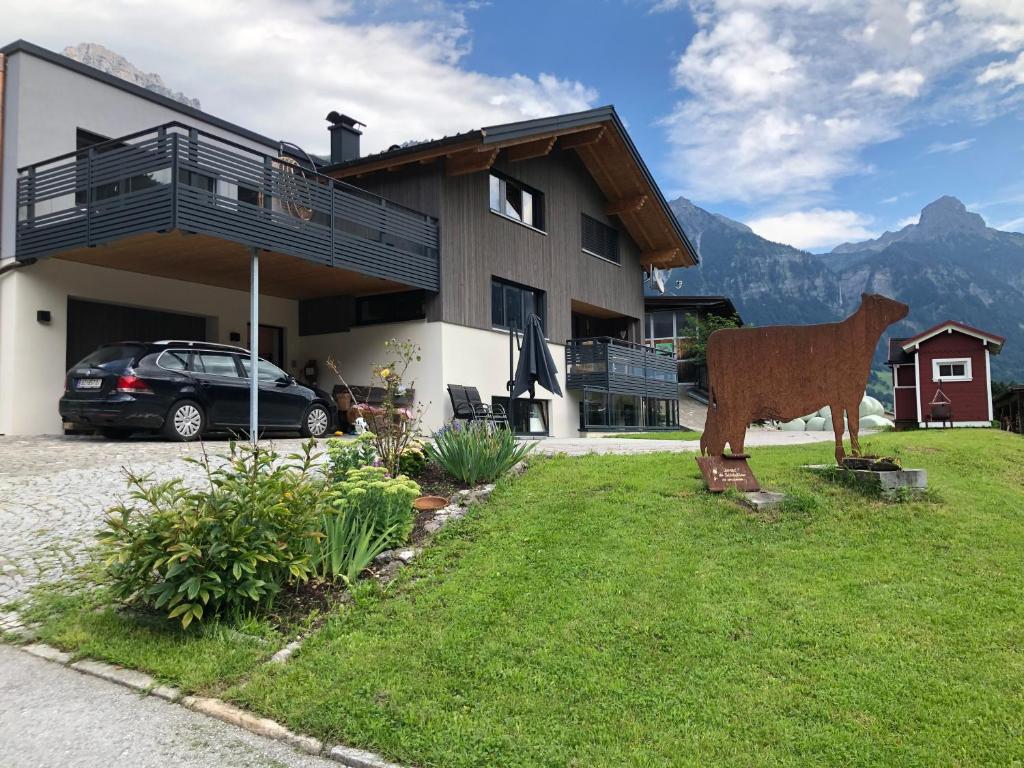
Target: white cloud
907 221
950 148
1014 225
901 82
279 66
814 228
780 98
1004 71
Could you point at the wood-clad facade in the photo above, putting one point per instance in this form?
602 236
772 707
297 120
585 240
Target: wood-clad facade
478 244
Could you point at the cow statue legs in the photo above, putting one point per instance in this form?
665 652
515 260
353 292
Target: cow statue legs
853 417
837 429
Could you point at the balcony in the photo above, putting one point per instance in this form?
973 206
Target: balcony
624 386
176 179
610 365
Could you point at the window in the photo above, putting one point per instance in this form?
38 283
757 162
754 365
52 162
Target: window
390 308
267 370
527 417
600 239
214 364
173 360
516 201
957 369
511 304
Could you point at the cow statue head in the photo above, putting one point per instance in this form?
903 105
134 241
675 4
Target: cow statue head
882 310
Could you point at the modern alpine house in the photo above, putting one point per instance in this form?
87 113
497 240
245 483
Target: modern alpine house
128 215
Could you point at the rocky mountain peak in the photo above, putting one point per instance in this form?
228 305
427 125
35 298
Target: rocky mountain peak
102 58
948 214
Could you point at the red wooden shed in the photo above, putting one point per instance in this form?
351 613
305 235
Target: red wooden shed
942 377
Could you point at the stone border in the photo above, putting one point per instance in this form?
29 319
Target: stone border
221 710
392 561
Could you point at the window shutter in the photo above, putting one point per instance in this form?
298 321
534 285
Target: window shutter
600 239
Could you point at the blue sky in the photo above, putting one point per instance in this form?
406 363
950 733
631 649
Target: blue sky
814 121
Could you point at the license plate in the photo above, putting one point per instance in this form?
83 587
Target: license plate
89 383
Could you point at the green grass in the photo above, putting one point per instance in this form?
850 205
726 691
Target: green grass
81 621
606 611
679 434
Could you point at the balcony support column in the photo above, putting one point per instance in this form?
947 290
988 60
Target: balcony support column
254 344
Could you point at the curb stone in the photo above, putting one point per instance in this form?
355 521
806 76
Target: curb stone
129 678
358 758
48 652
228 713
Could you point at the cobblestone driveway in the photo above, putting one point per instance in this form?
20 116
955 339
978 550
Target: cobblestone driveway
54 491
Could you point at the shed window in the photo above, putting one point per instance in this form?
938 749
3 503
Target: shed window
600 239
516 201
958 369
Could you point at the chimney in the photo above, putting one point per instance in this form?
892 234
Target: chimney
344 137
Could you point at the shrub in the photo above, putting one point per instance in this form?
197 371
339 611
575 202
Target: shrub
369 494
343 455
477 452
413 460
224 549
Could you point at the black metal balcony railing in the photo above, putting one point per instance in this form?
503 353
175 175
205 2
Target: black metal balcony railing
607 364
177 177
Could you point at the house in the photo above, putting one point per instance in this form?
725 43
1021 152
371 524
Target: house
671 323
942 375
128 215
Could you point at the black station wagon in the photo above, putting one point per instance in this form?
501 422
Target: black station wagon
183 389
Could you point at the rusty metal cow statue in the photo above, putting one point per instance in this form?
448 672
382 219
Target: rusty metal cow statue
787 371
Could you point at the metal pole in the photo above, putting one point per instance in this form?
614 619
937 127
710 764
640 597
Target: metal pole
254 335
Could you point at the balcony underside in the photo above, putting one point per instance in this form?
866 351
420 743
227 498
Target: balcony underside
212 261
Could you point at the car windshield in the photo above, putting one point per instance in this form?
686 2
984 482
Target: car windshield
112 357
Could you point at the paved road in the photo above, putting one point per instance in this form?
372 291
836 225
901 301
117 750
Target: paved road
54 717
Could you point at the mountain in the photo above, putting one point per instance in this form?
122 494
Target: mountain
105 60
768 282
949 265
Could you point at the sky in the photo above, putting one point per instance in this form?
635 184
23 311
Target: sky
813 121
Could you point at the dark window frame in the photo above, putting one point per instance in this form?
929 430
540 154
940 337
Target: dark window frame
499 320
537 201
403 306
600 239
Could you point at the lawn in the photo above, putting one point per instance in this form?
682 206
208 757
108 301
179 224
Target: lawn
606 611
678 434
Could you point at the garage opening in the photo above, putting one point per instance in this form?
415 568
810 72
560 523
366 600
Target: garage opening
92 323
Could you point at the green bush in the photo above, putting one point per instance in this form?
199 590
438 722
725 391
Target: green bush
413 460
227 548
477 452
343 455
369 494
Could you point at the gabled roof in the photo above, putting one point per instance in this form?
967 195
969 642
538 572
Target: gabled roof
23 46
995 342
602 143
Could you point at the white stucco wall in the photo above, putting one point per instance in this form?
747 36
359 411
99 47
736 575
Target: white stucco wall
32 355
45 105
452 354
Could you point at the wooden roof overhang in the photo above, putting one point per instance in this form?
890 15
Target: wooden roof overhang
602 143
209 260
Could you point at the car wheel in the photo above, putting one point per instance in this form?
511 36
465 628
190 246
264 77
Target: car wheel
184 422
115 433
316 422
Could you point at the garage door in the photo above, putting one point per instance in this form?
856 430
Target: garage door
91 323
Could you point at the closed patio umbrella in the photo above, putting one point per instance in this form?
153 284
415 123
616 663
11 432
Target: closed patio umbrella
536 366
